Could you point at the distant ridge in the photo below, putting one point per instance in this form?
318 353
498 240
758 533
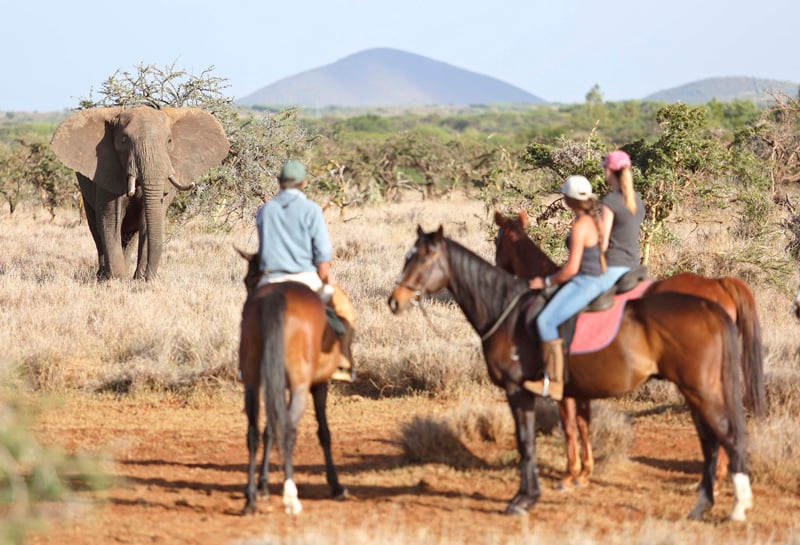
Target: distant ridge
387 77
724 89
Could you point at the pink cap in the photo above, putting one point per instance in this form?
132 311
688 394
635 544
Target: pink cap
617 160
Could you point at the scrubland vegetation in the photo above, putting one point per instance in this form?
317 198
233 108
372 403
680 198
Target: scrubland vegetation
720 183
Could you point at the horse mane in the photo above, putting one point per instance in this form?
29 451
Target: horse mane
493 289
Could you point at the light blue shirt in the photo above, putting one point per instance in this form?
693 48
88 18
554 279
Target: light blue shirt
292 236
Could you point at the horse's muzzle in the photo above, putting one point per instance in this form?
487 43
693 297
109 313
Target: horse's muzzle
401 297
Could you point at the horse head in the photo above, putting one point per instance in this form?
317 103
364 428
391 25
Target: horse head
425 270
253 273
515 252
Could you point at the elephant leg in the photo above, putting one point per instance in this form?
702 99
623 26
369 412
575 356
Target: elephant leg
135 223
88 195
111 211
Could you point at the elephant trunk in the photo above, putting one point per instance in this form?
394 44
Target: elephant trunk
154 220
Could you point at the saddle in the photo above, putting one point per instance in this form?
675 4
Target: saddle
604 302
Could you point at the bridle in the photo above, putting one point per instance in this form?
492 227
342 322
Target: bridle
417 292
426 265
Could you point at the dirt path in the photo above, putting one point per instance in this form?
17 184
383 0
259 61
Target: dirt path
182 467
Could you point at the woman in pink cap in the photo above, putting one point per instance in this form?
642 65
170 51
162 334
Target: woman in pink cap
622 215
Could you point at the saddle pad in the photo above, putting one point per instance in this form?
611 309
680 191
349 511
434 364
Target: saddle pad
595 330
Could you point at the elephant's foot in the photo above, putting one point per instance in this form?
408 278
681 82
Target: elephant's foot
521 504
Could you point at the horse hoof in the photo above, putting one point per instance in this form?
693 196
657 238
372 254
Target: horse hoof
512 509
341 494
520 505
566 485
249 509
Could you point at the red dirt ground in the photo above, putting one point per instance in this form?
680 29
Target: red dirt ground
181 469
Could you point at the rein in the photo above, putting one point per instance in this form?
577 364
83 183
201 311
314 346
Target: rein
510 307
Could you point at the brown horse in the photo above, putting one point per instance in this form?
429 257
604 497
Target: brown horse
684 339
286 343
519 255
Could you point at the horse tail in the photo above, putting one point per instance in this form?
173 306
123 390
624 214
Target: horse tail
729 374
273 369
752 355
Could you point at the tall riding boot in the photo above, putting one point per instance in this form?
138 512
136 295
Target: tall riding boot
346 341
552 385
347 366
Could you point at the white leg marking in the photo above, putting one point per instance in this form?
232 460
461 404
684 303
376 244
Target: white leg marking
290 502
702 506
743 497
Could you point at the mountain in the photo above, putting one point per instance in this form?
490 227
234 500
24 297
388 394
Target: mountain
387 77
724 89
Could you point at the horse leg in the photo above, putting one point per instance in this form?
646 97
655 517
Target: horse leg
251 401
319 393
584 419
733 442
263 479
709 444
297 405
568 421
522 407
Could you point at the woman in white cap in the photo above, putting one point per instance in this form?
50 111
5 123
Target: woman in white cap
582 278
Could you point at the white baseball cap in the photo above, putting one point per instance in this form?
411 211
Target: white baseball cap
578 188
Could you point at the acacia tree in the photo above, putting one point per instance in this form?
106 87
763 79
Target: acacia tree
29 169
678 166
259 143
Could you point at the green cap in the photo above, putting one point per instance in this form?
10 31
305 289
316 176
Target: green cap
292 171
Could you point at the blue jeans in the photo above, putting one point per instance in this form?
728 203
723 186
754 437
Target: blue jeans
578 292
612 274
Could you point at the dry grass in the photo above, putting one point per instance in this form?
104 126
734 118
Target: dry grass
63 331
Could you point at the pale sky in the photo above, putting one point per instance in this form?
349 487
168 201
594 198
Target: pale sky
54 53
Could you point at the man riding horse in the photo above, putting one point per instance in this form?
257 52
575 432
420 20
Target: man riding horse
293 245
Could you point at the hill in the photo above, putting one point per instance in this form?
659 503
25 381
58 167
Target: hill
724 89
387 77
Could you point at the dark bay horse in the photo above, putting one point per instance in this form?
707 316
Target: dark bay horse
684 339
519 255
286 343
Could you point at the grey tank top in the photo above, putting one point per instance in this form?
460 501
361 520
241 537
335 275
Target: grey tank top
590 260
623 243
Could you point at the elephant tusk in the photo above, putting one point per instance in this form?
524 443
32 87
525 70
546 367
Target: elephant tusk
131 185
178 185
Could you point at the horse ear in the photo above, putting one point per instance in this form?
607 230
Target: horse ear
439 232
420 232
499 219
247 255
523 218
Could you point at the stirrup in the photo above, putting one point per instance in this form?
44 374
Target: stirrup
546 385
539 387
344 375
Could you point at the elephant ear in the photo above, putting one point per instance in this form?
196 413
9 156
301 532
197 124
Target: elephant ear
198 142
84 142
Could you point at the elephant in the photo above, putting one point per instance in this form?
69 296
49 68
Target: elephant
130 162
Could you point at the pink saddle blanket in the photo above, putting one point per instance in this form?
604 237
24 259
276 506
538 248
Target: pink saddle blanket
595 330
